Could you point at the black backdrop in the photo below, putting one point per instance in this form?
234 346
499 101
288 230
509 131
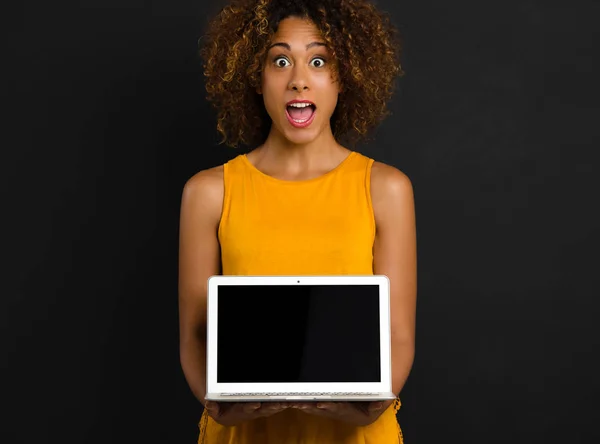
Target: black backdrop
105 120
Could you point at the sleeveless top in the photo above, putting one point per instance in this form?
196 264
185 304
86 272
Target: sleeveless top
319 226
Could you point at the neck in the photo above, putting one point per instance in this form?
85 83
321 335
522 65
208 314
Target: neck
280 149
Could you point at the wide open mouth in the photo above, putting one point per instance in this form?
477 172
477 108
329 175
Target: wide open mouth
301 112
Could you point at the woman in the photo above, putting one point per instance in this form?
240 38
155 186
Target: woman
294 79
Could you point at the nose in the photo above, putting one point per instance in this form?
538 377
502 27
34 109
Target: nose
298 85
298 81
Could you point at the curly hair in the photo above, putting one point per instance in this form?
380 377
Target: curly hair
366 60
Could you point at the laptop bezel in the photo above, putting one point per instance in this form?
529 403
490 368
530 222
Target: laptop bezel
214 387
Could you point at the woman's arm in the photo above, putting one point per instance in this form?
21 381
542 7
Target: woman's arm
199 258
394 255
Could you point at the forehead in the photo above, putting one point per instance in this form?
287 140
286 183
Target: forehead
297 29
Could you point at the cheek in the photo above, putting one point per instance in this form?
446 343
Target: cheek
271 89
329 96
272 103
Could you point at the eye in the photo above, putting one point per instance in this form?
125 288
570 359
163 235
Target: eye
318 62
281 62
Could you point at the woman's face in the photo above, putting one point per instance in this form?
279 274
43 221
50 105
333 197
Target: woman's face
298 67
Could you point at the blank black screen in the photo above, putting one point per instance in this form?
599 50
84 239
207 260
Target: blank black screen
304 333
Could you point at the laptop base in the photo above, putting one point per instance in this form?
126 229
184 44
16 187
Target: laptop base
261 397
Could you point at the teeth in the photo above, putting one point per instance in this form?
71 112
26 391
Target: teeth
300 105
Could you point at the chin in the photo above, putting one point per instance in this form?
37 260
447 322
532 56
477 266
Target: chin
301 138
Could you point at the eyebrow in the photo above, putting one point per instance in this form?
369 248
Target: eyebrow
289 48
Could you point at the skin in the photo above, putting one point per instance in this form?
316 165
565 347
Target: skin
297 154
291 71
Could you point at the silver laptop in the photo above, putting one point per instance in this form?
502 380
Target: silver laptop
308 338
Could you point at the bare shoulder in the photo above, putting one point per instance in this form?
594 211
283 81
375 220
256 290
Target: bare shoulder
389 185
204 191
209 178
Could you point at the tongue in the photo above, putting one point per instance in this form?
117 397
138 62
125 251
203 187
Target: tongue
300 113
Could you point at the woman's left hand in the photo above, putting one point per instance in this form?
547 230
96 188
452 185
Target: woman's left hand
355 412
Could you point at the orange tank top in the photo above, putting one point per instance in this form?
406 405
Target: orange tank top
319 226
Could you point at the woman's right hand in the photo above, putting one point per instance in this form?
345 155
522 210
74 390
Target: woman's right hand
234 413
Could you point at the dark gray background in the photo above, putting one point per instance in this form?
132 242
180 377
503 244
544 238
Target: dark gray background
104 120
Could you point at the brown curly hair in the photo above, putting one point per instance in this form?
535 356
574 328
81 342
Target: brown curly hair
364 44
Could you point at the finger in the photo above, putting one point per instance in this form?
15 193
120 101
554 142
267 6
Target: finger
300 405
329 406
375 406
269 408
308 407
273 406
251 407
362 407
323 410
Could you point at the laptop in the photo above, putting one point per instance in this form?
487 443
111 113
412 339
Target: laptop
307 338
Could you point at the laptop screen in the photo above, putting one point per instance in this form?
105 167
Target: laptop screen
304 333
